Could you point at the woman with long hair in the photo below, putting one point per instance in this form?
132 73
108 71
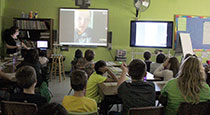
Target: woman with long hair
189 86
168 69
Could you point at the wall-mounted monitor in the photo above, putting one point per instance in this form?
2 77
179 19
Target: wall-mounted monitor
83 27
42 44
153 34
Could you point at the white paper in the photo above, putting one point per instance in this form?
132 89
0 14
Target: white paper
186 43
206 33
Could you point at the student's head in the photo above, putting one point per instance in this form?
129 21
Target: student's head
147 55
14 30
98 65
174 65
160 58
191 78
26 77
157 51
82 20
137 69
187 55
78 80
89 55
78 53
31 56
52 109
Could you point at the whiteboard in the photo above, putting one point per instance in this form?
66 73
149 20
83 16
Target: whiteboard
186 43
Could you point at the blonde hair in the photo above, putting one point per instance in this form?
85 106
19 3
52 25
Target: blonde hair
191 79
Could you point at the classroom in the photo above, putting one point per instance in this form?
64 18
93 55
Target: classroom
49 20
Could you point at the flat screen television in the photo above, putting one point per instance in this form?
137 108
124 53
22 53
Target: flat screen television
42 44
152 34
83 27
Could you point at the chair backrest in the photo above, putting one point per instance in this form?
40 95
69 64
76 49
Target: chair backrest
202 108
83 113
146 111
18 108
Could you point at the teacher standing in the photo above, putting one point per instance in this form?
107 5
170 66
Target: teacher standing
13 44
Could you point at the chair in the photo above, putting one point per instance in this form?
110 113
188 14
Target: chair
57 62
202 108
18 108
83 113
146 111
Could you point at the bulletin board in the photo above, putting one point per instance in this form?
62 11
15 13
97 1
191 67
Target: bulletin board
199 29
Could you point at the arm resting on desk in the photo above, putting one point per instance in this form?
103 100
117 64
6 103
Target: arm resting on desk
113 77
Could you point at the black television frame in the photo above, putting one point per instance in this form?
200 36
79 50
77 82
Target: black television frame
85 46
170 34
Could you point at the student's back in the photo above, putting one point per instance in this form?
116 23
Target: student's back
29 98
135 93
26 79
189 86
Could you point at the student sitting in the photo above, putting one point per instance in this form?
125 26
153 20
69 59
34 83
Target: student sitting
31 58
147 56
78 102
135 93
26 79
97 77
78 55
159 60
86 63
89 65
168 69
189 86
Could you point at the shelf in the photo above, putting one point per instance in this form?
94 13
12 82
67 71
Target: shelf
35 29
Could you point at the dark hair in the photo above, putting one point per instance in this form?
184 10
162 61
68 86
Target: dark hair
187 55
13 30
174 65
137 69
52 109
78 80
98 65
89 55
31 56
147 55
26 76
78 53
158 51
160 58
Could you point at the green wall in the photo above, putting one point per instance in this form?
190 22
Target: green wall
2 7
120 14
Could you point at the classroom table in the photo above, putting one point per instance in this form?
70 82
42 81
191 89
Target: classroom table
109 91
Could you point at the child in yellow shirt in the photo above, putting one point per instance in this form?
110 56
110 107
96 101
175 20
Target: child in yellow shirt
78 102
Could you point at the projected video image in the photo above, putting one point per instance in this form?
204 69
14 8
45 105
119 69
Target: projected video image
83 27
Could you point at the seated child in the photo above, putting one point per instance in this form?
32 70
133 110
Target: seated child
135 93
78 102
97 77
147 56
26 79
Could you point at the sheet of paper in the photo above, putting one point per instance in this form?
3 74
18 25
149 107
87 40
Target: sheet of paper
186 43
182 23
111 84
206 33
